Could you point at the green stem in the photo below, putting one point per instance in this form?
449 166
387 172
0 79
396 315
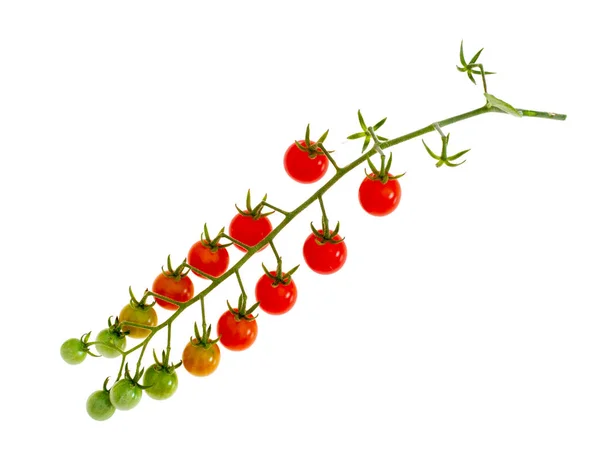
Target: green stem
377 145
239 279
317 196
330 158
203 317
139 363
166 299
123 357
235 241
325 219
274 208
541 115
482 77
196 271
168 352
274 251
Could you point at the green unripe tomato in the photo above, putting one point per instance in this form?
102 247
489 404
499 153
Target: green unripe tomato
99 406
162 383
73 351
110 337
125 395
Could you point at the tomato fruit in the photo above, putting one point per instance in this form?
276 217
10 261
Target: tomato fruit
322 256
125 394
73 351
236 334
275 297
99 406
304 167
213 261
201 361
379 198
180 290
249 230
142 314
109 336
163 382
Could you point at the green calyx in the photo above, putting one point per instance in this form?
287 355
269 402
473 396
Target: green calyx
213 244
241 313
315 148
105 385
280 277
472 67
141 304
383 173
135 379
256 212
326 235
365 133
443 158
203 340
115 328
178 273
164 364
86 346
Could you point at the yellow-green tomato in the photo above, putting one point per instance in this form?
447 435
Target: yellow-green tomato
144 315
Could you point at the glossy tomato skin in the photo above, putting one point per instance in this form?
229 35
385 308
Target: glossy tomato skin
110 337
203 258
73 351
324 257
236 335
275 299
378 198
125 395
249 230
162 383
144 316
181 290
301 167
200 361
99 407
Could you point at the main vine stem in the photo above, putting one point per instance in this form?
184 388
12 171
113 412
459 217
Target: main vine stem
340 172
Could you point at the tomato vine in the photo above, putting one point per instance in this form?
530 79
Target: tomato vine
251 231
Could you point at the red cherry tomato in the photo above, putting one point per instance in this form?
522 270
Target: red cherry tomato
324 257
275 299
377 198
213 262
303 168
236 334
249 230
181 290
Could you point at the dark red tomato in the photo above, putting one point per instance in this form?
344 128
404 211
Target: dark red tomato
212 262
303 168
377 198
324 257
249 230
275 299
181 290
236 334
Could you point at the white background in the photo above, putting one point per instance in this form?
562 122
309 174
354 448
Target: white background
467 319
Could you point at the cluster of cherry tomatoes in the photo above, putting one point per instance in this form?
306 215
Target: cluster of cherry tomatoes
324 252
